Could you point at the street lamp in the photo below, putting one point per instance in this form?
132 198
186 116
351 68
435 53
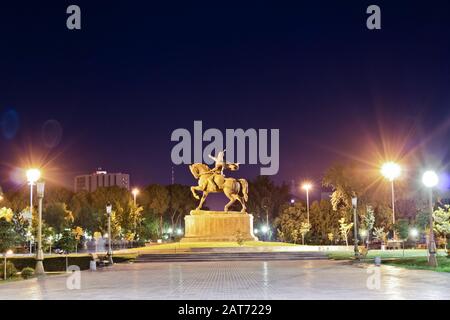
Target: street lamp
355 225
430 179
135 192
110 253
307 186
7 253
39 271
50 242
33 175
391 171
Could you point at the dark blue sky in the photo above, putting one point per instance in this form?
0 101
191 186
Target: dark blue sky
137 71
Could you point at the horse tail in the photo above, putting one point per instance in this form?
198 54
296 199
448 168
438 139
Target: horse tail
244 185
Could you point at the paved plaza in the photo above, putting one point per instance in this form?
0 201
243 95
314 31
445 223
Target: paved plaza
319 279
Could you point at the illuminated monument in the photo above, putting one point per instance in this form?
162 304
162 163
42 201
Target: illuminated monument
205 225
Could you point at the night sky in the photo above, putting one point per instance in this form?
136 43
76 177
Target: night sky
110 94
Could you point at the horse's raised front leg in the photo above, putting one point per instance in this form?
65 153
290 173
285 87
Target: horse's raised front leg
205 194
193 192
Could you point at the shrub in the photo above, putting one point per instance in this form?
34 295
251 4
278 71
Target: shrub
239 238
10 270
27 272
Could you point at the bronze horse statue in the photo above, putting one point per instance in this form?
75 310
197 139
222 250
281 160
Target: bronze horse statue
234 189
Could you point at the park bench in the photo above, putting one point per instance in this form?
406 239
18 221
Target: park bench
100 261
392 244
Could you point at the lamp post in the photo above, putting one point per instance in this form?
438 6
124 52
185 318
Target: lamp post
39 271
110 253
9 252
391 171
135 192
33 175
50 242
430 179
355 225
306 187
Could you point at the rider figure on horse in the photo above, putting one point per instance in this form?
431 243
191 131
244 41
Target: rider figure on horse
219 166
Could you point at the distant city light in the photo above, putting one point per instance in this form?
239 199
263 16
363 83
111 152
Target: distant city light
179 231
170 230
430 179
292 201
391 170
264 229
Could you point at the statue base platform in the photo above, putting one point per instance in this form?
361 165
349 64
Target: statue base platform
204 226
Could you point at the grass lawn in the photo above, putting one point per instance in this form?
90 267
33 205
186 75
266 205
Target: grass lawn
190 245
410 259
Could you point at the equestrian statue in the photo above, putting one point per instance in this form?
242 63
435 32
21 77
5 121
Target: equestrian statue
214 180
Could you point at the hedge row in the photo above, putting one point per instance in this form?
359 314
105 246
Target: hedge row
55 264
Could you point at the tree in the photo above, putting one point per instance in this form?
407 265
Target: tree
290 219
294 235
8 238
351 180
442 222
331 237
402 228
368 222
181 202
85 214
266 198
344 228
304 229
57 216
379 234
66 240
77 234
158 202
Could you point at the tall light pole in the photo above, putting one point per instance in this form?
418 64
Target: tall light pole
307 186
39 271
110 253
391 171
33 175
355 225
430 179
135 192
5 255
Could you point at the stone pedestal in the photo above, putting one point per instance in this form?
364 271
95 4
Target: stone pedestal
203 225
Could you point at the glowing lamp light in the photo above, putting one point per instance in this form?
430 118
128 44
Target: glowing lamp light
307 186
255 231
9 252
135 191
179 231
430 179
414 233
264 229
170 230
391 170
292 201
33 175
363 233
